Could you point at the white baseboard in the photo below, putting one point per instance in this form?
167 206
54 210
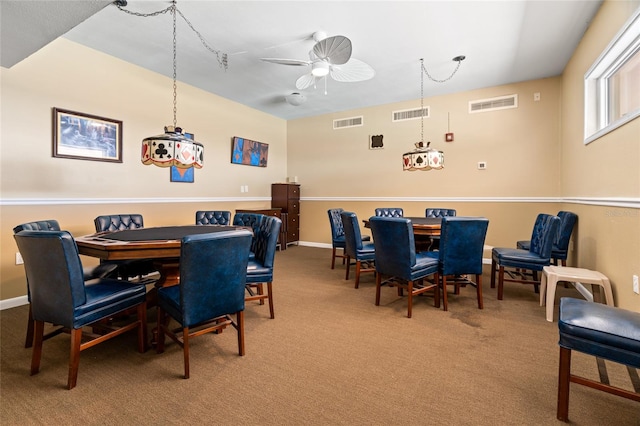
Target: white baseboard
12 303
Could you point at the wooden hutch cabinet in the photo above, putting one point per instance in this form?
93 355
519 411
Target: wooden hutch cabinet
286 196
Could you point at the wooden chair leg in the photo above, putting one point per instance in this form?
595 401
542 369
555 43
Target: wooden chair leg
260 289
378 285
270 295
74 357
240 329
358 269
500 282
36 352
142 329
493 274
333 258
479 290
410 298
445 303
564 377
185 350
28 341
348 267
160 330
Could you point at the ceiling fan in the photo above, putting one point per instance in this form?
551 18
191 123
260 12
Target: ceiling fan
330 56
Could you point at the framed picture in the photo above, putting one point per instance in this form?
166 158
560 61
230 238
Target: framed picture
375 142
250 153
86 137
183 175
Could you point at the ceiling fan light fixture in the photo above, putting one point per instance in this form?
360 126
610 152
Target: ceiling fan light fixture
295 99
320 69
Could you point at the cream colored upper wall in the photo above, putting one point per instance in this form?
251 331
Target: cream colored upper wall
520 147
70 76
610 165
607 238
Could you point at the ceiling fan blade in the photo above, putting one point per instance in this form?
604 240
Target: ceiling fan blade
335 50
294 62
354 70
305 81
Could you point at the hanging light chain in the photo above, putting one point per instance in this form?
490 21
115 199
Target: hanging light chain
421 100
175 68
456 59
222 57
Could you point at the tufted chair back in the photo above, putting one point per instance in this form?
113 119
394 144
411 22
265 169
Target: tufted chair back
544 233
266 240
213 217
40 225
254 220
433 212
118 222
390 212
337 230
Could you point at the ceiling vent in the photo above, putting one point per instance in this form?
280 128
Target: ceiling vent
493 104
344 123
409 114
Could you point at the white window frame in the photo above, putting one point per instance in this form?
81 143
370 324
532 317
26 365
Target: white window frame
622 48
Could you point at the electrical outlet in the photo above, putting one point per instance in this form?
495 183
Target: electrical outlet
246 188
636 286
19 260
536 96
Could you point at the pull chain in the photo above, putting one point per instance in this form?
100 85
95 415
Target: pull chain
175 67
421 100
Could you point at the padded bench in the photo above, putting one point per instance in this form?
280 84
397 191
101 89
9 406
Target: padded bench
599 330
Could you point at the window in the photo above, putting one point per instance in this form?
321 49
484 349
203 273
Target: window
612 84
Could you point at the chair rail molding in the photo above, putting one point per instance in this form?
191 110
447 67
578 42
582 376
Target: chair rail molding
625 202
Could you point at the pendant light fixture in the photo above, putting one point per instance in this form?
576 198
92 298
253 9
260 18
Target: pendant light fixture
172 148
424 157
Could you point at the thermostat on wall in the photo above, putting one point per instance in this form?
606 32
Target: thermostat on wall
482 165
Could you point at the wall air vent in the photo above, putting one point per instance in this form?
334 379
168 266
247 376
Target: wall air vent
493 104
344 123
409 114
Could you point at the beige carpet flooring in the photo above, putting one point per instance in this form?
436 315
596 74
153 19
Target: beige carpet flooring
330 357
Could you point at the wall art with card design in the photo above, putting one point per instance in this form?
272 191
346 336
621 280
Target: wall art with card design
248 152
183 175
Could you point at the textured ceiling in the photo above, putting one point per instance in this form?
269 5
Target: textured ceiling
504 42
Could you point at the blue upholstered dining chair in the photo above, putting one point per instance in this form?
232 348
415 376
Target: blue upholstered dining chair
397 262
560 248
213 217
103 270
260 267
537 257
337 235
389 212
460 254
362 253
59 296
437 212
117 222
213 268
